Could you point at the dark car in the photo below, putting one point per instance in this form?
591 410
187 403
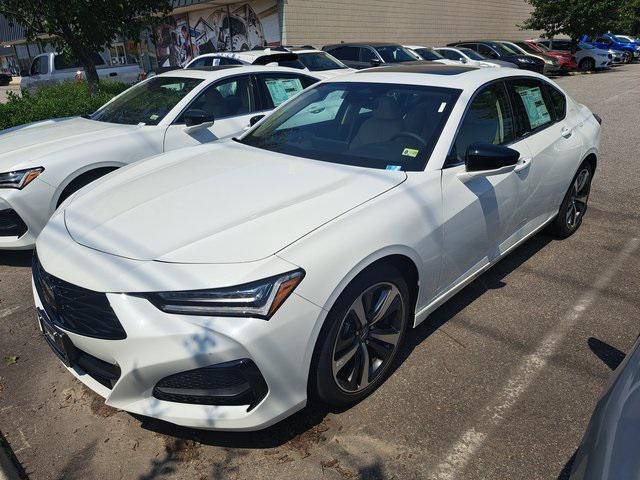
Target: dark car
499 51
369 54
609 448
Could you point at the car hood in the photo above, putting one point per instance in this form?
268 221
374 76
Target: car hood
217 203
25 145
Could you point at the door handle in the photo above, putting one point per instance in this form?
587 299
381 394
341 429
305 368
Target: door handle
522 164
567 132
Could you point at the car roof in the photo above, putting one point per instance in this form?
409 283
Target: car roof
434 74
227 70
364 44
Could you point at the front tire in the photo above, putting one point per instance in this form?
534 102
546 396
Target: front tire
361 337
574 204
627 57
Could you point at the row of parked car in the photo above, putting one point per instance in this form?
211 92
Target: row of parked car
548 56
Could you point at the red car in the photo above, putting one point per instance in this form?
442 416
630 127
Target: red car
566 59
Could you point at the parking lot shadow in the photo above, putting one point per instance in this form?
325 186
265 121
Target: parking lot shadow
610 356
20 258
275 436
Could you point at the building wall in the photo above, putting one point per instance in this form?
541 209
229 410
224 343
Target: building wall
417 22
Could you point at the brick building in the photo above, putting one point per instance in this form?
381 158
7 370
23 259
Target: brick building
421 22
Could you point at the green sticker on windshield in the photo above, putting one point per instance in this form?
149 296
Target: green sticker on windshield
410 152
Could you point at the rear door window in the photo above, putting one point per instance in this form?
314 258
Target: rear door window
533 106
277 88
559 102
346 53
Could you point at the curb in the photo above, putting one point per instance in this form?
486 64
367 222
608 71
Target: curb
8 470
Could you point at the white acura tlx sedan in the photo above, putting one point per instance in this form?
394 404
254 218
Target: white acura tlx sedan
222 286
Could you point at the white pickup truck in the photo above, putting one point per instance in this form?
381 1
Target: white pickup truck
53 67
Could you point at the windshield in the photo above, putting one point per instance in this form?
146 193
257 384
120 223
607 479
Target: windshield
502 49
394 54
148 102
428 54
320 61
472 54
375 125
527 48
620 39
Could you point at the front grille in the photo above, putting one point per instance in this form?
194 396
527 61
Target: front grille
74 308
11 225
232 383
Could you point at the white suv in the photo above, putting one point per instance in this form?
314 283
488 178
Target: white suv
321 64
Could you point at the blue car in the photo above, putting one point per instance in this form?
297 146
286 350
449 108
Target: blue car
608 41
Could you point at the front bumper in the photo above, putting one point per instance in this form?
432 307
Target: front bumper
158 345
30 207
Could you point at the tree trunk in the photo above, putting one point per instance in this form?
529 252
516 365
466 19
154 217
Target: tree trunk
90 72
85 57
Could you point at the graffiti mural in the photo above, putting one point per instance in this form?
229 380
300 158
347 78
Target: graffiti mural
240 26
174 46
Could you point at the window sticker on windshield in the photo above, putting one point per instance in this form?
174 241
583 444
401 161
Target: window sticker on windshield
534 105
394 168
282 89
443 105
154 117
410 152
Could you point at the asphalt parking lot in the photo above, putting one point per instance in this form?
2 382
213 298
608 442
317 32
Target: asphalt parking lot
498 384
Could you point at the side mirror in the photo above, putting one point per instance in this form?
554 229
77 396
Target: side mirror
194 117
255 119
375 62
463 60
483 157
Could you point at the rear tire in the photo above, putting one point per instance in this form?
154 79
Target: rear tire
361 337
587 64
574 204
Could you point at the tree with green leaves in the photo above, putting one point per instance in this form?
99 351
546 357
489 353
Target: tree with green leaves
83 27
575 18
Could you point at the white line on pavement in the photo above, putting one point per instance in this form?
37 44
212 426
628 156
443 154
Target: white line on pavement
5 312
471 440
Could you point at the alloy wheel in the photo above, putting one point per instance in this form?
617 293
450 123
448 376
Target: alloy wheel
578 199
368 337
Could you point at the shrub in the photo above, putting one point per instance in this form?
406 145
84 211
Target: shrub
53 101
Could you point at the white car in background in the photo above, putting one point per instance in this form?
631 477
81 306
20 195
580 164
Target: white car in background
466 56
429 54
218 286
318 63
43 163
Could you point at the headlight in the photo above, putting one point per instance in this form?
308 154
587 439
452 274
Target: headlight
19 178
259 299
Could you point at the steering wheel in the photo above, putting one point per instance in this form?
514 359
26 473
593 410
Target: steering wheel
412 135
